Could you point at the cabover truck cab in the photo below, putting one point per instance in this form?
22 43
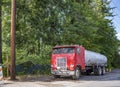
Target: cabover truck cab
68 61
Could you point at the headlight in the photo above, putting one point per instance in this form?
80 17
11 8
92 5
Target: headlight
71 66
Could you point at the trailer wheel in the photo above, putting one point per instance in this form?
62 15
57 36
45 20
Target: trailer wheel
103 70
99 71
77 74
56 76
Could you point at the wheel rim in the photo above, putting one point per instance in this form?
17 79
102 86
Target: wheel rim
99 71
77 73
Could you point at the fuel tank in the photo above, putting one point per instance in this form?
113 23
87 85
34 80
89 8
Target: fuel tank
93 58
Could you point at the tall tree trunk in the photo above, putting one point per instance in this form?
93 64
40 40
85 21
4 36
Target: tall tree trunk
12 50
0 31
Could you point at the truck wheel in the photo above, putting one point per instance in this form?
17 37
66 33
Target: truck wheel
103 70
77 74
56 76
99 71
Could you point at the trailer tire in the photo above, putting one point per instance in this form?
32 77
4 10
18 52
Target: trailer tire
99 71
77 74
103 70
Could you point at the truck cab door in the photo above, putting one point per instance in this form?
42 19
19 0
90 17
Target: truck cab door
80 57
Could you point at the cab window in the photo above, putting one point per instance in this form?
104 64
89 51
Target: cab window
64 50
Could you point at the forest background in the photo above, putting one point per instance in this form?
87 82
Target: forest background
42 24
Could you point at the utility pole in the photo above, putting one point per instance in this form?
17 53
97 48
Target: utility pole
0 31
12 43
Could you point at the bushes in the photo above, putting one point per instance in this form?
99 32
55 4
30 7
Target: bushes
29 63
30 68
34 63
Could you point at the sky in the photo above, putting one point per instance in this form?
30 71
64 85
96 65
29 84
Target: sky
116 18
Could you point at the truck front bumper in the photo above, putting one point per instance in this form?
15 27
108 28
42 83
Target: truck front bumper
63 73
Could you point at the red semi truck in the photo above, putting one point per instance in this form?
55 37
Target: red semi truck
72 60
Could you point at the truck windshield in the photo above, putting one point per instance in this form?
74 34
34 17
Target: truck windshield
63 50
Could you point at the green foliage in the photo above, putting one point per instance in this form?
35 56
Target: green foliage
116 61
42 58
42 24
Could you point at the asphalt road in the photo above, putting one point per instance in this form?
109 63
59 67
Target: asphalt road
111 79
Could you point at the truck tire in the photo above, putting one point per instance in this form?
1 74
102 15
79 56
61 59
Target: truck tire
103 70
56 76
98 71
77 74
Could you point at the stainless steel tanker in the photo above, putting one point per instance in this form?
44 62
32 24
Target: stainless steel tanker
95 62
93 58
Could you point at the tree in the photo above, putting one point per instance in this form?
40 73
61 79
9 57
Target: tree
0 31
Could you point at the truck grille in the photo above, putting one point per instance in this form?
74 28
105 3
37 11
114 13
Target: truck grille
61 63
